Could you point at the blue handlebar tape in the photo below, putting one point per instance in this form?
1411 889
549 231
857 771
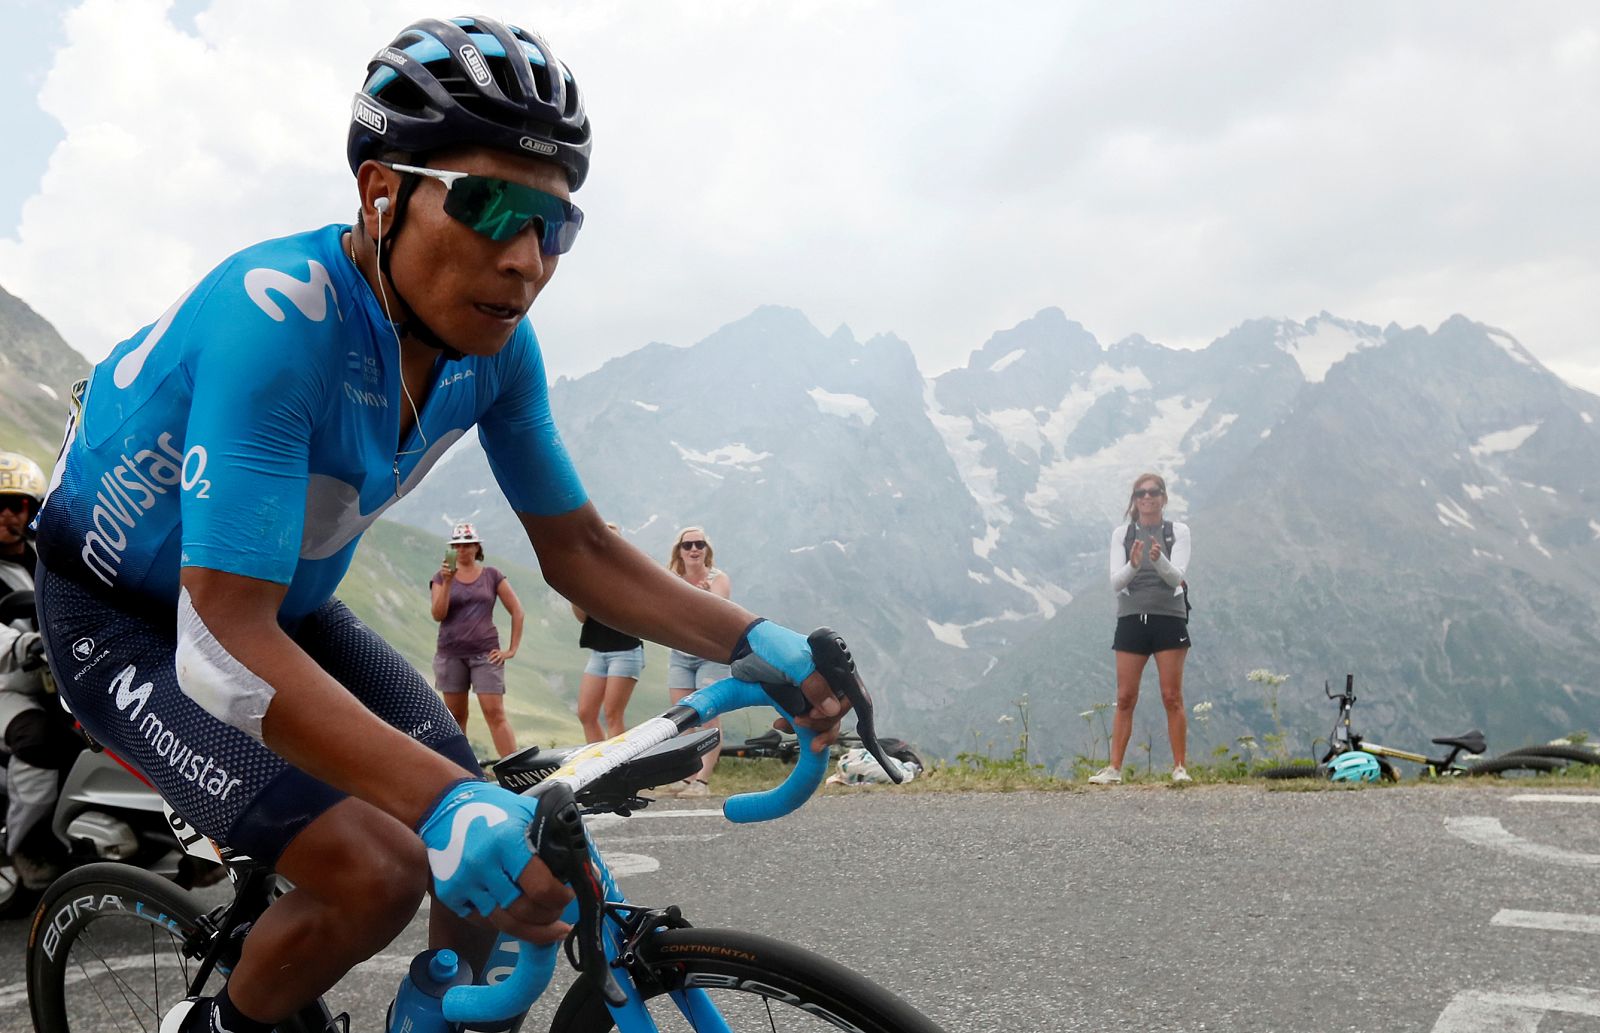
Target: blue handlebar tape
732 694
515 994
536 965
809 770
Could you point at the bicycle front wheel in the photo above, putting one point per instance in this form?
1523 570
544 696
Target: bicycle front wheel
106 954
756 983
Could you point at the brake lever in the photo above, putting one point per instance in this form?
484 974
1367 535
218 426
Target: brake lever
561 843
838 668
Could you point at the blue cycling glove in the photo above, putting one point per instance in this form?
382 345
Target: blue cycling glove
477 840
774 656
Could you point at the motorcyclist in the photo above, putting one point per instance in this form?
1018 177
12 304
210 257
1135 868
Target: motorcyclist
34 729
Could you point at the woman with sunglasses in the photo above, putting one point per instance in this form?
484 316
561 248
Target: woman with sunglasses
692 560
1149 555
226 460
467 654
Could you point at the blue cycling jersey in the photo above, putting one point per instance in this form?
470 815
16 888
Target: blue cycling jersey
253 429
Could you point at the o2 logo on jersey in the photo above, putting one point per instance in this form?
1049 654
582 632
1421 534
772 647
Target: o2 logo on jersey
309 296
194 468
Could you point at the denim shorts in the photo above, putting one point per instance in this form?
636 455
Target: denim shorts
623 663
693 672
456 673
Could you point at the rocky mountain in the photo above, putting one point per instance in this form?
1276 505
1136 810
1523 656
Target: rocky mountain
1397 503
1411 506
37 371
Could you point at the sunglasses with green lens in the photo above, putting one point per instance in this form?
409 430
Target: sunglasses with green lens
500 209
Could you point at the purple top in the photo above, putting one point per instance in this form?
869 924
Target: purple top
468 626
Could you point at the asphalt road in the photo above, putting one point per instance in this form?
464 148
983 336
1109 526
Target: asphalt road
1153 909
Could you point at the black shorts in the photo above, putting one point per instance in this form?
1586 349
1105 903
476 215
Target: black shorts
115 670
1146 633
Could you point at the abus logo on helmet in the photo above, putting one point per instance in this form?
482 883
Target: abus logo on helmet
528 143
370 116
476 65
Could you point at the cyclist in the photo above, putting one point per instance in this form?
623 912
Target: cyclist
35 732
225 462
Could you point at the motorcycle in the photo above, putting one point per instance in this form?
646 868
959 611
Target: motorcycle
104 812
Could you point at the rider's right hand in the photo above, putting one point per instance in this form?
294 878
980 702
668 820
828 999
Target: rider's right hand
481 861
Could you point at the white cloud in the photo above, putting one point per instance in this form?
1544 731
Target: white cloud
1168 168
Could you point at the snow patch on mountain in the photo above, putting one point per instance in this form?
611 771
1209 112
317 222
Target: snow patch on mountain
949 634
1046 596
1509 345
981 547
1594 527
1450 512
1320 343
1213 432
47 389
1504 440
1006 360
1098 477
737 456
646 406
966 451
811 548
844 406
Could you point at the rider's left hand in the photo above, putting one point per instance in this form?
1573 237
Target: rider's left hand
772 654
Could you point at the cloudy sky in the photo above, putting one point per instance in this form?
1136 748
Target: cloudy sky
912 167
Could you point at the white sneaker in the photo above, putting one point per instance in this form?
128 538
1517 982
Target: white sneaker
1180 775
1106 777
696 788
672 788
173 1020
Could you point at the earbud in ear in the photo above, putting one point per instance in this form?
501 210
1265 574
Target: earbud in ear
381 205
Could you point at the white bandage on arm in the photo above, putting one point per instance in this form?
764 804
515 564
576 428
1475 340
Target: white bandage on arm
213 678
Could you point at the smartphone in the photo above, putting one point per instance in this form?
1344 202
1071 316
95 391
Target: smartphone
450 560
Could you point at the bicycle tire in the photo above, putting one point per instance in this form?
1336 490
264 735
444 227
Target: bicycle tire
747 975
1514 762
1575 754
1294 771
104 908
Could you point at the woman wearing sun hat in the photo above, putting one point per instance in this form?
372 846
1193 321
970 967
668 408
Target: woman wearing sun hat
468 654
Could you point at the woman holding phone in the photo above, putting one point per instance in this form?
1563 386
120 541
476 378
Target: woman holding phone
468 654
1149 556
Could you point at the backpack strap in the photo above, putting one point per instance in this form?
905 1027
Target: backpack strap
1127 540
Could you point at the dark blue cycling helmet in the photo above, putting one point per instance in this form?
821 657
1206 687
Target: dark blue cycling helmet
470 82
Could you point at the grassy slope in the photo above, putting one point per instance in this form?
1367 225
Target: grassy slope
387 587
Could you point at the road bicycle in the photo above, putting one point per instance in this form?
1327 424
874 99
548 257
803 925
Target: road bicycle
1463 757
776 745
112 947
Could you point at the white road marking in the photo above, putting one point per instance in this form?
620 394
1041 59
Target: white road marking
1554 921
1513 1011
1490 833
1554 798
631 864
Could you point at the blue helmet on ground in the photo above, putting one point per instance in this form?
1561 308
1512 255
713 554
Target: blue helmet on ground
1355 766
470 82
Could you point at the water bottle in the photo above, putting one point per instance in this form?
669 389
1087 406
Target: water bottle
419 1005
